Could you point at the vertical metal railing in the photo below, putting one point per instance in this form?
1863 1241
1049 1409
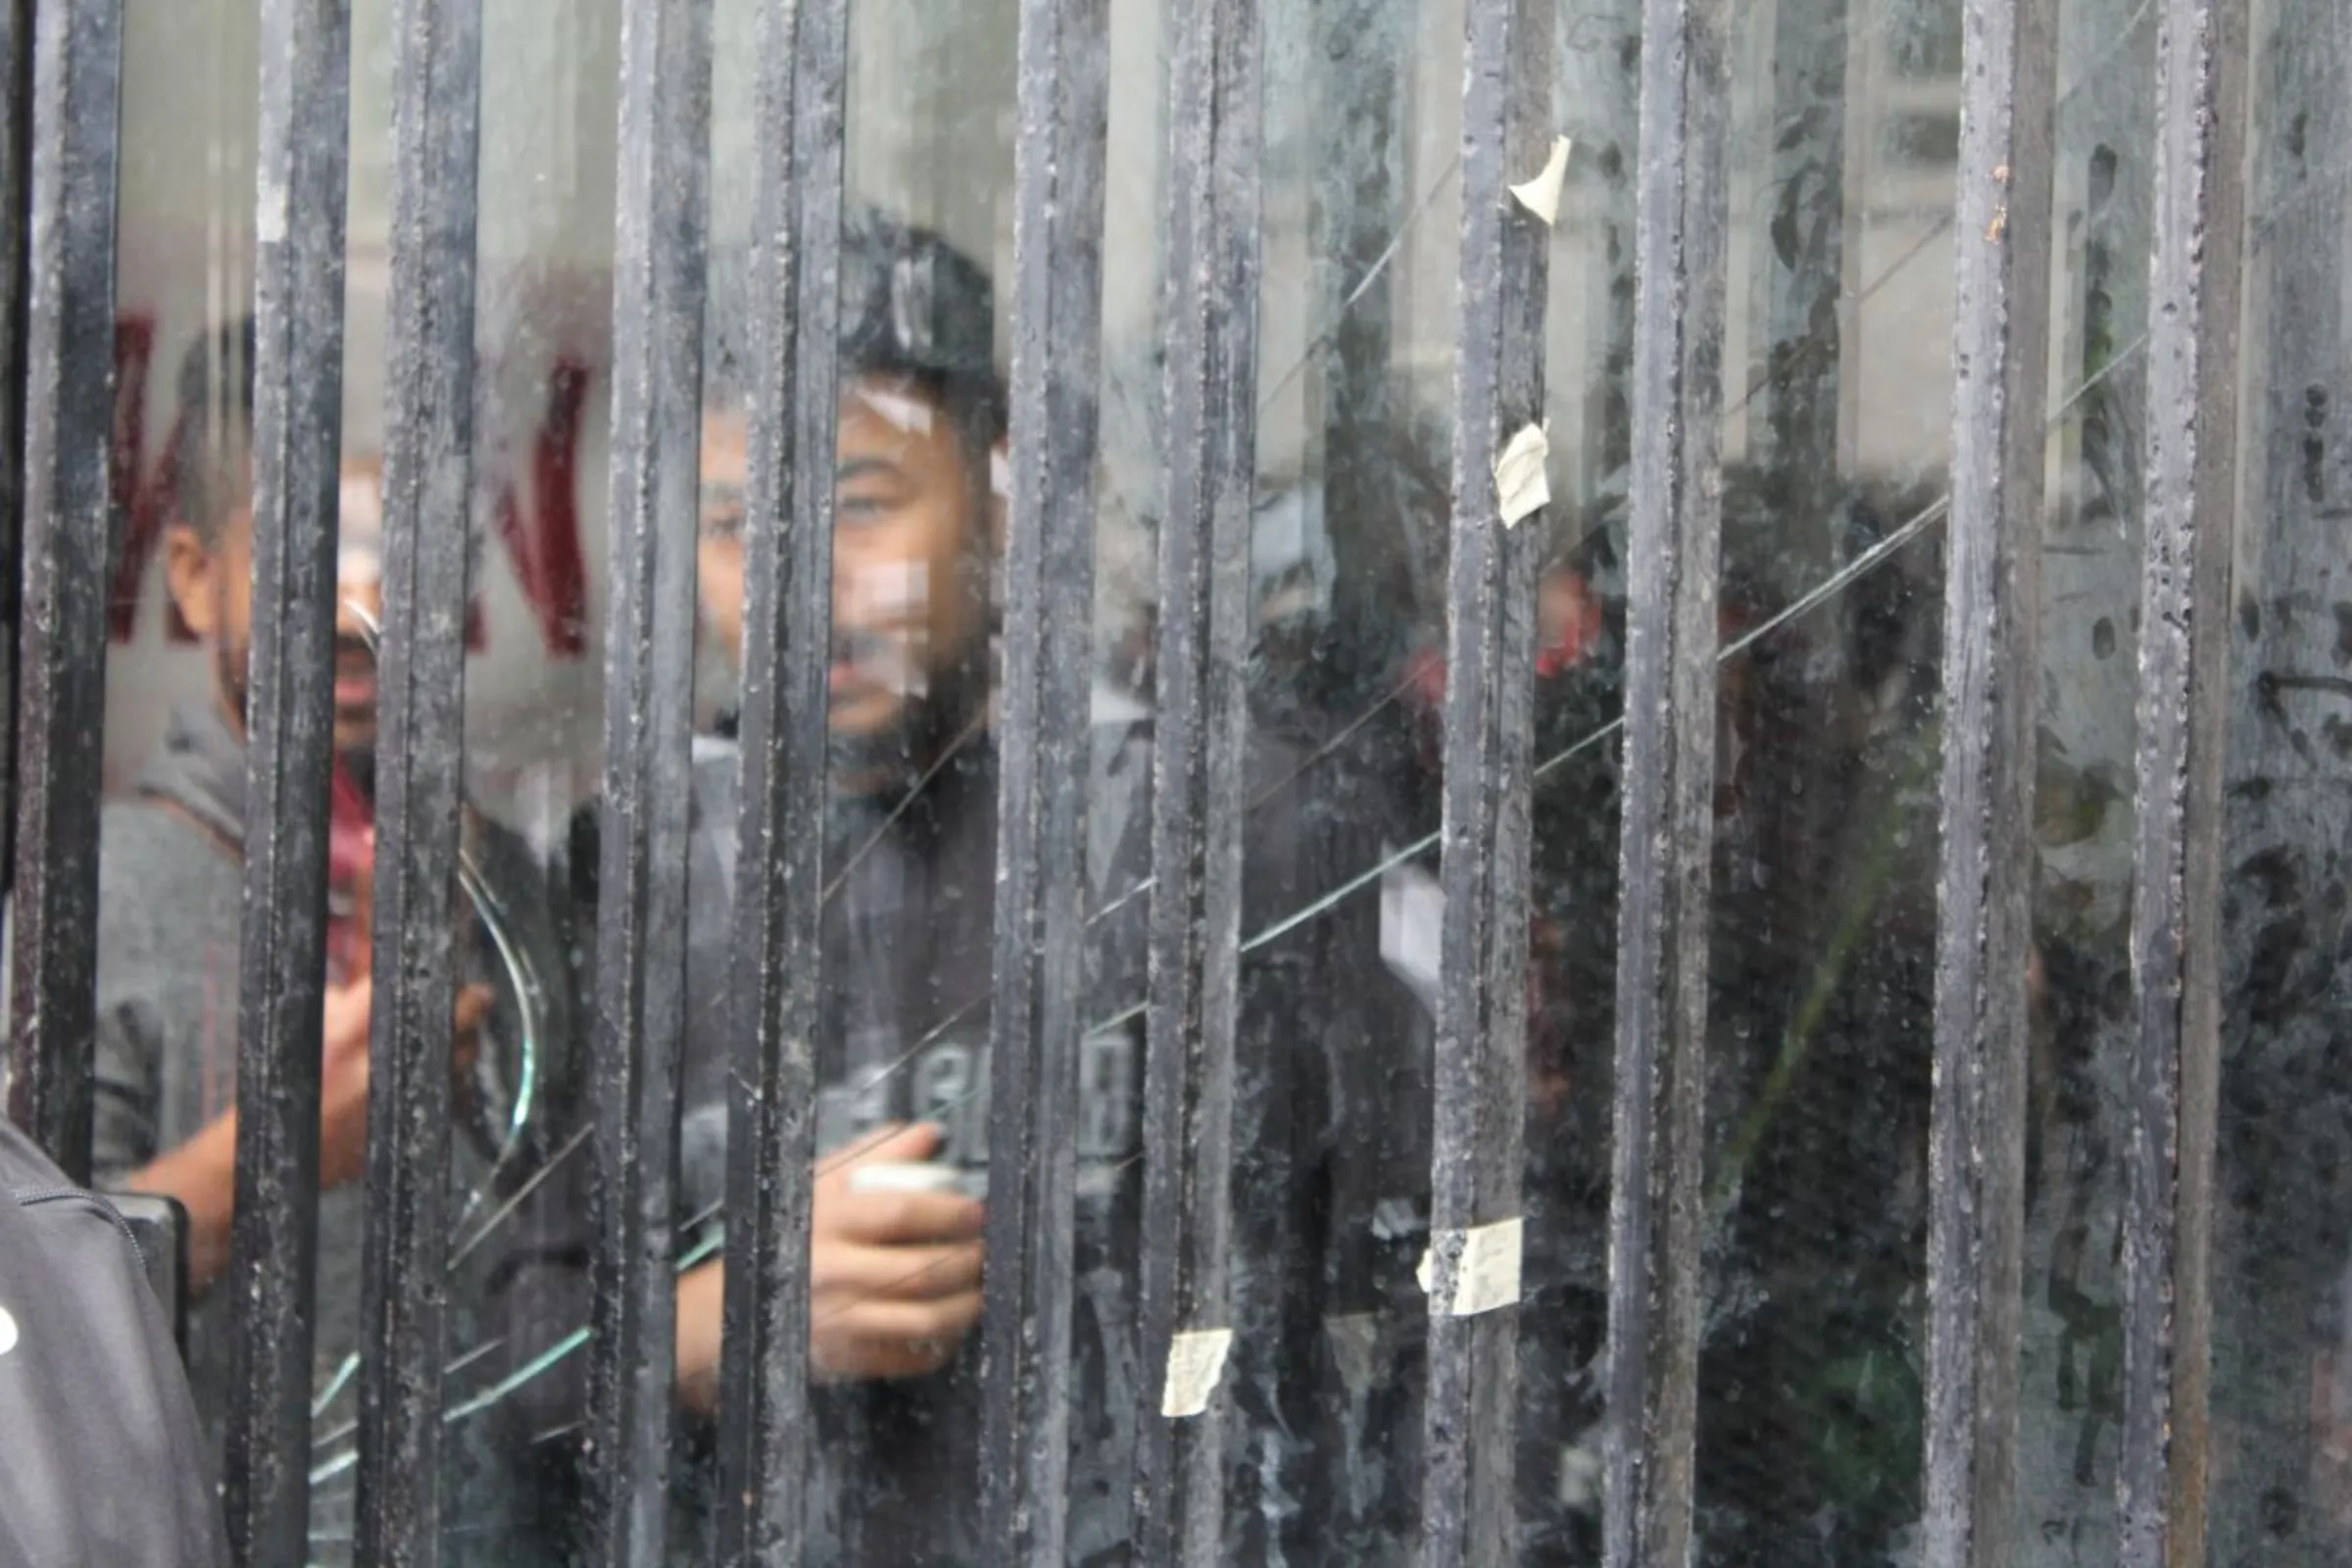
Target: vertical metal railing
77 83
1200 726
1651 1377
778 936
16 213
1038 970
1991 675
658 292
65 225
429 496
2195 297
1468 1508
297 372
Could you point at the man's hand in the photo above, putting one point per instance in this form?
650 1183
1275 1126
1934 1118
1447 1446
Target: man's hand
202 1173
343 1072
894 1277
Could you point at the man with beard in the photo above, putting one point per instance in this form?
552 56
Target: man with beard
171 882
1331 1112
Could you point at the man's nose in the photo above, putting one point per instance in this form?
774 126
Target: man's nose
879 593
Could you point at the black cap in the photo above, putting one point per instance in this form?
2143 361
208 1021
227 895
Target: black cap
911 304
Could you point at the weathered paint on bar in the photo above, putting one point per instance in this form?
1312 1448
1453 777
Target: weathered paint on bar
1668 829
771 1141
78 81
659 283
290 724
1063 88
2196 294
1468 1503
1992 678
1200 727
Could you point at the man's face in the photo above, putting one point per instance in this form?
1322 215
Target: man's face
907 573
213 587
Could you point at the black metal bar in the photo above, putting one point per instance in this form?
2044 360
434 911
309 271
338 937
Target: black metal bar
1991 673
78 81
428 494
794 312
419 769
1041 836
2196 293
16 213
1468 1507
290 720
1200 726
1667 827
661 240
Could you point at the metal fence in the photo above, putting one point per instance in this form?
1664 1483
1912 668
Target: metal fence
59 160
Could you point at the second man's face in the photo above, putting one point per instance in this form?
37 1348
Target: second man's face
212 583
907 600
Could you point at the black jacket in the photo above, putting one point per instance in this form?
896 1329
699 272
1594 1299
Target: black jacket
102 1466
1330 1193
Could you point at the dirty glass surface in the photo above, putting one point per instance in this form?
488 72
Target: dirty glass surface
1836 438
2279 1413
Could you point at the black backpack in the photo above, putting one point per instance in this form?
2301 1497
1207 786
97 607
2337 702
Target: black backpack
101 1462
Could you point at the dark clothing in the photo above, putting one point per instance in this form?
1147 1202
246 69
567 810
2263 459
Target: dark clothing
102 1464
1331 1128
170 887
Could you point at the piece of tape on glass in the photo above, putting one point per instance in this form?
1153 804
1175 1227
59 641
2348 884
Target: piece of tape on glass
272 208
1542 194
1521 486
1196 1362
1412 927
1485 1274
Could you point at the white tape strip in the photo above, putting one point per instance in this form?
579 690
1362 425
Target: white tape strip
273 210
1412 925
1196 1362
1487 1275
1521 486
1542 194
